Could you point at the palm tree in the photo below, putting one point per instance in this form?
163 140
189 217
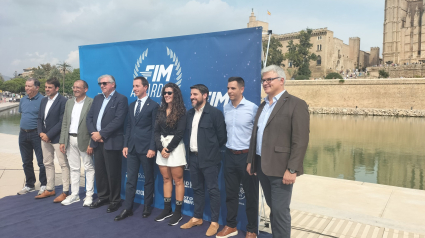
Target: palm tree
63 67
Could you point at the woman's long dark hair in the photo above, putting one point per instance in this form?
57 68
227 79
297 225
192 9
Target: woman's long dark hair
178 109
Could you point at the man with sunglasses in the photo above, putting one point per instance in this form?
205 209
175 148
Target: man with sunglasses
277 148
139 147
105 123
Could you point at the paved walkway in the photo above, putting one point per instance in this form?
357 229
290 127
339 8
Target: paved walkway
7 105
321 207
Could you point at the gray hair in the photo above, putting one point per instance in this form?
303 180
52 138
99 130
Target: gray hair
36 82
274 68
111 79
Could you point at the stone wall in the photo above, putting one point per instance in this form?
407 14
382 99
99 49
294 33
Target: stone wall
401 94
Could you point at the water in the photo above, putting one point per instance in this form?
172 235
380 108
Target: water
383 150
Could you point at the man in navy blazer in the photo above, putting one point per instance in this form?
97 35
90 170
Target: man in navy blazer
105 123
139 147
49 126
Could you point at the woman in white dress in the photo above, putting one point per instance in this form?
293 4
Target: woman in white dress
171 157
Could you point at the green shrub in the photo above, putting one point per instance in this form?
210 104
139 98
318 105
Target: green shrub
301 77
383 74
341 81
334 75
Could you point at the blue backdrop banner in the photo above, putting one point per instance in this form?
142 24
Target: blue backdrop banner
209 59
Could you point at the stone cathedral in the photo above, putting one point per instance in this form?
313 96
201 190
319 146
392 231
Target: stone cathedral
404 32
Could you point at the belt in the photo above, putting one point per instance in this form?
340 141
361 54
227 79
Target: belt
31 130
238 152
73 134
195 153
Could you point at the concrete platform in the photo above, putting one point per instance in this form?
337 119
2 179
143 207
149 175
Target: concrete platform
321 207
8 105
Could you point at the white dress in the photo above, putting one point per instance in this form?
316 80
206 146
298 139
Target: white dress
177 156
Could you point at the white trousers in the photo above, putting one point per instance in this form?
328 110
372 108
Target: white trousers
74 157
48 161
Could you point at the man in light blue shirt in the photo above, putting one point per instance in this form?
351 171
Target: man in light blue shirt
239 115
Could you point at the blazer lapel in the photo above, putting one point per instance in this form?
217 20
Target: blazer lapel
53 105
144 108
111 101
84 111
279 104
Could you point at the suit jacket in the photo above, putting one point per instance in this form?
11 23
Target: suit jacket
211 135
51 125
83 136
285 137
140 131
112 122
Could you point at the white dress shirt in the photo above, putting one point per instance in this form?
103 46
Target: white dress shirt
194 135
143 100
48 106
75 116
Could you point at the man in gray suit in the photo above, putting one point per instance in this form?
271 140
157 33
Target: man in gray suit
75 141
278 144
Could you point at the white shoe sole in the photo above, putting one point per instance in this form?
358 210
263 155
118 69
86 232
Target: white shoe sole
26 192
176 222
229 235
87 205
66 204
164 217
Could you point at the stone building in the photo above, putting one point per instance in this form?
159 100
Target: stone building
333 54
404 32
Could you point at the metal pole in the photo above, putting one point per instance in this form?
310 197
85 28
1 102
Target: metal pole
267 53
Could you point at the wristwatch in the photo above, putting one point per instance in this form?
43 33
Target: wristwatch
292 171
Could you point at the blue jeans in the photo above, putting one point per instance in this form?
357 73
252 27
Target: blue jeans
209 176
29 141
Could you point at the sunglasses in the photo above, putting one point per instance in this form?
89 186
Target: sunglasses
167 93
103 83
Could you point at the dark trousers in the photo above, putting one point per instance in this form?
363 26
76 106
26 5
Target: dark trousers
200 177
278 198
29 141
107 167
134 160
234 174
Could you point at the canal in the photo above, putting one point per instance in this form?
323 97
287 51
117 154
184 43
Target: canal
382 150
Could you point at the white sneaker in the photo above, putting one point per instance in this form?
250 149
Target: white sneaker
70 199
42 189
88 201
26 190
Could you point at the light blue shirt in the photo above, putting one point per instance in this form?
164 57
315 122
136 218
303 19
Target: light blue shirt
102 110
239 122
264 117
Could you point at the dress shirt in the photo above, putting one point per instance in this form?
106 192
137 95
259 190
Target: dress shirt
102 110
29 108
48 105
75 116
195 125
264 117
143 100
239 123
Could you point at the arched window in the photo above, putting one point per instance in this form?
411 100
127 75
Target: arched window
319 60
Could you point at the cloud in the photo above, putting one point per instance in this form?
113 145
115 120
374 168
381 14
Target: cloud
73 59
16 62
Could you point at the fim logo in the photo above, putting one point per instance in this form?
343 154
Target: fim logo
216 98
140 192
241 193
141 177
188 200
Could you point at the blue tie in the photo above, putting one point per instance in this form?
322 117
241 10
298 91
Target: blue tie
139 103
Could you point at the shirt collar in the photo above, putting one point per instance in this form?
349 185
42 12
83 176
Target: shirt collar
82 101
54 98
275 98
200 110
143 99
242 102
35 97
110 95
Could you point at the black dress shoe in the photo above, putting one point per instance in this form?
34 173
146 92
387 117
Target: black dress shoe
99 203
113 207
124 214
147 211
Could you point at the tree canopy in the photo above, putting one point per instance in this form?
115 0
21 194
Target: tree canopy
275 55
299 54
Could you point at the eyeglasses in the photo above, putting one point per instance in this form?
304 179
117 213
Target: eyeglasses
103 83
268 80
167 93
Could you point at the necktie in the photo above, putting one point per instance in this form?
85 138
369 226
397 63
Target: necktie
139 103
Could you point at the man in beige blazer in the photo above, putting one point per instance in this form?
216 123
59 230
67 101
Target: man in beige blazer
75 142
277 148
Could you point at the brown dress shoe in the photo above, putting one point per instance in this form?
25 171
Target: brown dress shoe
60 198
212 230
227 232
251 235
191 224
46 194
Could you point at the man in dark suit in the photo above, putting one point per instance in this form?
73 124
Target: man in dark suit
105 123
139 147
278 144
207 133
49 126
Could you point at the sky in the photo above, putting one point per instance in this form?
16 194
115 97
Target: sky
50 31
